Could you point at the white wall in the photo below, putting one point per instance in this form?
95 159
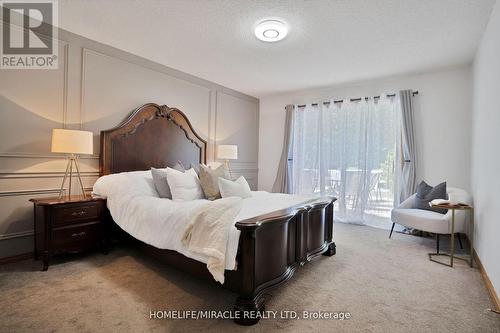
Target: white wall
443 114
95 88
485 148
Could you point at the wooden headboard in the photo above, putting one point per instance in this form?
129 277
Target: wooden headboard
151 136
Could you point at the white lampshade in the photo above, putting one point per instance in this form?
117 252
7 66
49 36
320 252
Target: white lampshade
227 152
72 141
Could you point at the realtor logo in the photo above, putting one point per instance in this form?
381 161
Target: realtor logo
29 34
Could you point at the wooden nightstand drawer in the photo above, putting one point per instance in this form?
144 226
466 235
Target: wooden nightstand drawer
70 214
69 224
79 236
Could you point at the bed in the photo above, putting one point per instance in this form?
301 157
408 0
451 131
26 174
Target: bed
269 247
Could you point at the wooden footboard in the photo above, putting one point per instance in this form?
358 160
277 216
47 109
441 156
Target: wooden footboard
272 246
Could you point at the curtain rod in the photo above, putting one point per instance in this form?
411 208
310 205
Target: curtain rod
353 99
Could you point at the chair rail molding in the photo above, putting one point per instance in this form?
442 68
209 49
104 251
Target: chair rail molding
35 192
43 174
20 234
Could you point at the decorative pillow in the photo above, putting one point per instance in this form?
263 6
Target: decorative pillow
426 193
184 185
160 180
238 188
209 180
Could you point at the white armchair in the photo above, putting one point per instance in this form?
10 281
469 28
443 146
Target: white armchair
430 221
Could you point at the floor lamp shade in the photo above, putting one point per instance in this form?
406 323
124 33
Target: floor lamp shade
72 142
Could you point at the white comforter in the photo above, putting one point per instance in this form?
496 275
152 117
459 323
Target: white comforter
135 206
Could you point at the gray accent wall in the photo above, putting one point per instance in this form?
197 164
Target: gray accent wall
95 88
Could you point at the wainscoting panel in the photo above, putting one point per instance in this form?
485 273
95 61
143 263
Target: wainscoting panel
10 247
112 88
16 215
32 103
237 123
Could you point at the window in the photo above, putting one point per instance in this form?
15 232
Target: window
348 150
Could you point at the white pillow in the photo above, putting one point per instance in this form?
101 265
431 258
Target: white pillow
125 183
238 188
184 185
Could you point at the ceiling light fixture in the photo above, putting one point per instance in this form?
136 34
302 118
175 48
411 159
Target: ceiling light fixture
271 30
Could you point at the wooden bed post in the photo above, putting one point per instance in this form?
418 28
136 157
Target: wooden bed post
247 304
332 248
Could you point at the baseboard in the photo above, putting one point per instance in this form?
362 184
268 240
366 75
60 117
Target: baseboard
16 258
491 290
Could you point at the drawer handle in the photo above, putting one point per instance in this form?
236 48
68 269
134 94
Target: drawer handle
79 213
79 234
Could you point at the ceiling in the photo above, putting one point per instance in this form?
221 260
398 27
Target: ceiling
329 42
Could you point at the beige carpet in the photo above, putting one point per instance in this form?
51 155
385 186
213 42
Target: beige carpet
386 285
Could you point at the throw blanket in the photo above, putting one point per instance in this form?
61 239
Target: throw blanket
207 232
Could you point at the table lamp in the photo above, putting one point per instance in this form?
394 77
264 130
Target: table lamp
226 153
71 142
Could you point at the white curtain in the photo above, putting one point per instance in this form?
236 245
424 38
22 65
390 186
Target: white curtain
348 150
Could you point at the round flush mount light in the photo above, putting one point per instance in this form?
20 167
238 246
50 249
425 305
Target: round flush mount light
271 30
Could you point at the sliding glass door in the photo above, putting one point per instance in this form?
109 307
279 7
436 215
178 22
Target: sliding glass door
348 150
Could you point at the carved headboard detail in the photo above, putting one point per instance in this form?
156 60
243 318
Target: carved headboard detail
151 136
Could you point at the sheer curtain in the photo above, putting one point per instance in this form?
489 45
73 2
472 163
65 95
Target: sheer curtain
282 182
348 150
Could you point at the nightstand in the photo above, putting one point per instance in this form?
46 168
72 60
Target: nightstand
68 225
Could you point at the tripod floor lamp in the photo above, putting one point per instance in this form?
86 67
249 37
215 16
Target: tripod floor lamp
73 143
